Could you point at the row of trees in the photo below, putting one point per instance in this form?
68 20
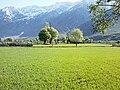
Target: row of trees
105 14
48 33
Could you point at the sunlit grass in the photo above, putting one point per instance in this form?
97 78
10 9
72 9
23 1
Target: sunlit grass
84 68
73 45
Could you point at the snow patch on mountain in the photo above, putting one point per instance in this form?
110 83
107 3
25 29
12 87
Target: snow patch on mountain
6 10
8 13
32 10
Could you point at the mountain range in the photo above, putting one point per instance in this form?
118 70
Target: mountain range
29 20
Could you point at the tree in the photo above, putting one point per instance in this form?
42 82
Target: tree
0 39
9 39
48 32
105 14
54 34
63 38
68 38
76 35
44 35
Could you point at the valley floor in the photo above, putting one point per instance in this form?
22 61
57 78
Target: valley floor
82 68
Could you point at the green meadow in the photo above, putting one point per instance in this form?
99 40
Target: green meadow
87 67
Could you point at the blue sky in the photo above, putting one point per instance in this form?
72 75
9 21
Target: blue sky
23 3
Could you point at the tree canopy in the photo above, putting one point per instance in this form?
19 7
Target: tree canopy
9 39
105 14
44 35
76 35
54 34
63 38
48 32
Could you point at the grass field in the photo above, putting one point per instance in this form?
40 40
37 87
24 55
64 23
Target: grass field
72 45
79 45
83 68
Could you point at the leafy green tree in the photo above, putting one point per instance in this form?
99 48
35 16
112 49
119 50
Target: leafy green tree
63 38
48 32
105 14
47 26
44 35
9 39
76 36
54 34
68 38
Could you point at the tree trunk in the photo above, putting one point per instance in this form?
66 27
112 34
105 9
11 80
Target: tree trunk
52 44
44 41
51 41
68 41
76 44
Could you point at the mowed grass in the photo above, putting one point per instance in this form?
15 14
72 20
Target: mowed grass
73 45
83 68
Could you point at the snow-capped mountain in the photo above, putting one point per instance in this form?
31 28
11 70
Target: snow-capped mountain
31 19
37 10
32 11
10 14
